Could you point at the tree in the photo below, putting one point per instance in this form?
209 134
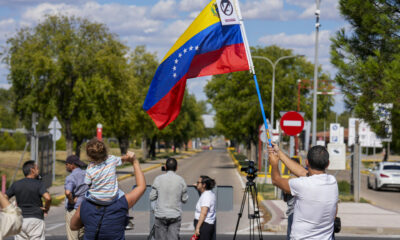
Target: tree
367 58
235 100
7 118
66 67
143 65
188 124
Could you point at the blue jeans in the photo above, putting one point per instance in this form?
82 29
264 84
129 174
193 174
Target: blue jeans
289 226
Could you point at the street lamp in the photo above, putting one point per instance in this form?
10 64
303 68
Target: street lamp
273 80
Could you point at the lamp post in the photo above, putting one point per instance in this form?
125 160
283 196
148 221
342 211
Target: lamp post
273 64
314 119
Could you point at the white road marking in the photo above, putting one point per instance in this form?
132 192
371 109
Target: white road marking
54 226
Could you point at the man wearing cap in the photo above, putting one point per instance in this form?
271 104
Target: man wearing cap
75 189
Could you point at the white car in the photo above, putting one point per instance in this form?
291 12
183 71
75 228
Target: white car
385 174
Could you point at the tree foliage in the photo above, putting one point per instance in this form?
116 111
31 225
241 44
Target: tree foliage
235 100
367 57
66 67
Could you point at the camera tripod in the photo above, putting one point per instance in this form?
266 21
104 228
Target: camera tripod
254 215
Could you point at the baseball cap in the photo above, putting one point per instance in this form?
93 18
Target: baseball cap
73 159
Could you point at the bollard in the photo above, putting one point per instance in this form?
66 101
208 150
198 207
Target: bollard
3 183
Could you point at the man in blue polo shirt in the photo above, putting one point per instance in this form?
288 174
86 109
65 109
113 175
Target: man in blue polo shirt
75 189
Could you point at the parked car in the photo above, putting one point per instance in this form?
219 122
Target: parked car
384 174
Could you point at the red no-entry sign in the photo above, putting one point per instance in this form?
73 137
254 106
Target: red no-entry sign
292 123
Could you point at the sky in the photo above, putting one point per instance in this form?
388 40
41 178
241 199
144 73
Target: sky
159 23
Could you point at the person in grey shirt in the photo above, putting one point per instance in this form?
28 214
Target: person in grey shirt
75 189
169 192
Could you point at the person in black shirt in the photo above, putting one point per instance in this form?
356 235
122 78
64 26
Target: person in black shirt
28 193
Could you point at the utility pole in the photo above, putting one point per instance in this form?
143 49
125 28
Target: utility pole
33 138
356 165
314 120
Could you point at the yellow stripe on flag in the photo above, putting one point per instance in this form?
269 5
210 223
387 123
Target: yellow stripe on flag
206 18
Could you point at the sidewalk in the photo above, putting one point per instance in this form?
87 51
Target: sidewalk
356 218
124 173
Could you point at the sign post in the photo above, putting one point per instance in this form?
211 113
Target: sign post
54 130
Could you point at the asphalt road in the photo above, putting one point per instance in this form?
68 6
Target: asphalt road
216 164
385 198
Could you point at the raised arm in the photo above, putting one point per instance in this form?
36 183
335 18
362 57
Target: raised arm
277 179
133 196
4 201
293 166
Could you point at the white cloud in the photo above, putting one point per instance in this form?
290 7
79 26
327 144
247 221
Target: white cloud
5 85
164 9
7 27
192 5
24 3
120 18
296 40
266 9
328 8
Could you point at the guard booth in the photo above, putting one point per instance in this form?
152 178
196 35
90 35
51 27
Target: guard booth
45 158
224 195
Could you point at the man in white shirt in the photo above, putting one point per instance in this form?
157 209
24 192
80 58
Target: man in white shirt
316 193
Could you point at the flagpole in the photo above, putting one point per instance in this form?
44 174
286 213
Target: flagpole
252 70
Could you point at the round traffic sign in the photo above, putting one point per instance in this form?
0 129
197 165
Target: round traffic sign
57 134
292 123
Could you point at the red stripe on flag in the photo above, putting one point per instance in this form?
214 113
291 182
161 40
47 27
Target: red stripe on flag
168 108
230 58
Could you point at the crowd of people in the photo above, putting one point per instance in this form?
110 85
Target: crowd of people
97 209
94 192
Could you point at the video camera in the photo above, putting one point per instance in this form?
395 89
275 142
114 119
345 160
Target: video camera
251 171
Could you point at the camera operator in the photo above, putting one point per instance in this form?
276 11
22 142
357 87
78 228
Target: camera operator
315 192
169 192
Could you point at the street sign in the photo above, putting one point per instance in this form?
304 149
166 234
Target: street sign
56 134
334 134
337 156
227 12
55 124
292 123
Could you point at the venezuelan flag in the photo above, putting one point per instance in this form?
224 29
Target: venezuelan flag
205 48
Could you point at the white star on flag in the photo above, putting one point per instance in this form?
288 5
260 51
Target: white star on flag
174 75
180 54
197 48
176 61
174 68
191 48
184 50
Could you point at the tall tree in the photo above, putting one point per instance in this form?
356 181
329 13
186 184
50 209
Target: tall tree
367 57
235 100
62 67
143 65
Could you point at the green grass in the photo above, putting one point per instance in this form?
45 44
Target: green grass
345 193
267 191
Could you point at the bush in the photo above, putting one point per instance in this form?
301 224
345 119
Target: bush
61 144
20 140
344 187
7 142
